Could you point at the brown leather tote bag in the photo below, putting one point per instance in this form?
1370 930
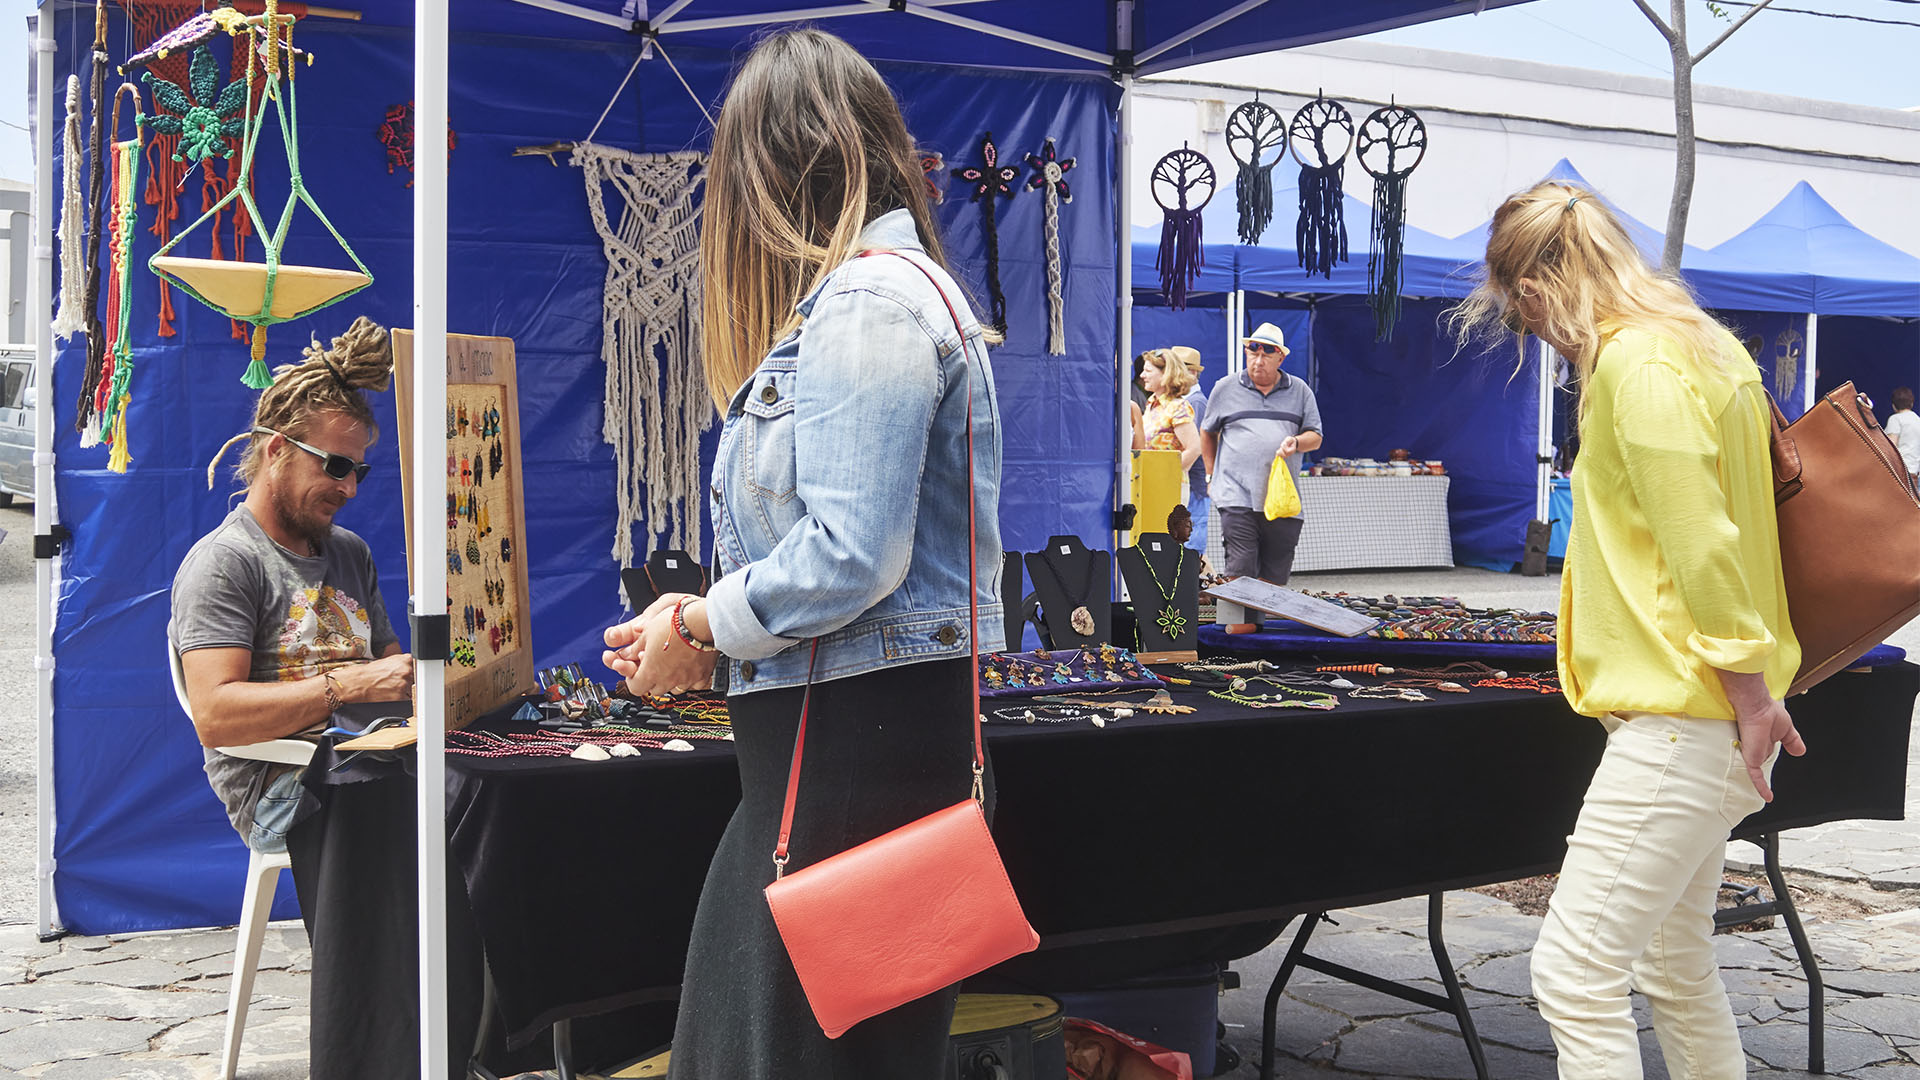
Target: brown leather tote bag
1849 532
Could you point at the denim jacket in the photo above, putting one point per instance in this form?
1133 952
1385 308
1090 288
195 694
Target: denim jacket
839 496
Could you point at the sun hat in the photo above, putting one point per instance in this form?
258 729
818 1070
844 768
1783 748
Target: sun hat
1270 334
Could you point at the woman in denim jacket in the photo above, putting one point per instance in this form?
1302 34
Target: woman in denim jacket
840 517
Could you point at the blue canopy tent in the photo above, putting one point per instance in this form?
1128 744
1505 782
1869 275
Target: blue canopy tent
140 844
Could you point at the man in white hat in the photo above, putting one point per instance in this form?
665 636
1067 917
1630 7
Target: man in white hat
1250 419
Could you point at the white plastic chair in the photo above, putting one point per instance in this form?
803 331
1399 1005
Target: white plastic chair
263 879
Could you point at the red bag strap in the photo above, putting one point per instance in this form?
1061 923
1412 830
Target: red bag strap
973 612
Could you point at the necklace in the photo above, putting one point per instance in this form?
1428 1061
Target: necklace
1240 692
1080 619
1045 714
1387 693
1170 621
1548 683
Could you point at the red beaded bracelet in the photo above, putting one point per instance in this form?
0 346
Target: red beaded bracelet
680 628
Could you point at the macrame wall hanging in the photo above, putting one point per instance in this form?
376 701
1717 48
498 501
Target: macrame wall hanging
268 292
1786 363
1389 146
396 134
1182 183
1257 141
104 401
934 165
96 198
1050 179
1320 136
654 411
71 315
990 180
195 123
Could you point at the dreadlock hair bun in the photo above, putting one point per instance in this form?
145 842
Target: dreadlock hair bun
329 379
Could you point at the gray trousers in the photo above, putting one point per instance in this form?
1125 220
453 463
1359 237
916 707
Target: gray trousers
1257 547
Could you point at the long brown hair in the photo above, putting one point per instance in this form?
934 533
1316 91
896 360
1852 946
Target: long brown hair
809 148
1592 280
329 379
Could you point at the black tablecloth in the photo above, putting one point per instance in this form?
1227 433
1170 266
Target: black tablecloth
582 877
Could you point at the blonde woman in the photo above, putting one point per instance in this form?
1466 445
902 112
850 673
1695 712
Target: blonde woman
1673 630
1167 423
844 529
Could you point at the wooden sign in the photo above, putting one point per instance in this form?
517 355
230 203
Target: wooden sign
1288 604
486 521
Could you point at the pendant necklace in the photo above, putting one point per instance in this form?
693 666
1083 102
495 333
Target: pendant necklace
1170 621
1080 619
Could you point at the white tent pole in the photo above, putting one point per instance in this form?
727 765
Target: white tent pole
1233 326
39 322
1811 365
429 541
1123 228
1543 481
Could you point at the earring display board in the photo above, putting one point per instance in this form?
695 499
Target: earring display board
1076 589
1288 604
669 571
1163 578
1013 599
487 602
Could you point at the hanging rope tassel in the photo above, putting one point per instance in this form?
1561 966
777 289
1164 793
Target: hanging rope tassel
990 180
1253 196
1049 177
1321 234
119 457
257 376
71 318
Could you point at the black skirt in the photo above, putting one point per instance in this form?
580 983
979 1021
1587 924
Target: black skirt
883 749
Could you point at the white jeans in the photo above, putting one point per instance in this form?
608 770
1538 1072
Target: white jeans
1634 904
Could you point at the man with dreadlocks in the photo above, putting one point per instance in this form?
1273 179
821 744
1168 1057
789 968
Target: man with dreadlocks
276 613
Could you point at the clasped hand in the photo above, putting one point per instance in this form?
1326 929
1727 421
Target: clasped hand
649 655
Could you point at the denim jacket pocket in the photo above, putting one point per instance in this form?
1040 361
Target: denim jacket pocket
767 434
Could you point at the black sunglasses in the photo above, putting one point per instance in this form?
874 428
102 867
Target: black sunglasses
1262 347
338 466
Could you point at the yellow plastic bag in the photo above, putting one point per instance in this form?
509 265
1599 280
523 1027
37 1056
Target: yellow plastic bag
1283 498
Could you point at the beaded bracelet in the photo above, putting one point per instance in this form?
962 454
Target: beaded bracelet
1239 692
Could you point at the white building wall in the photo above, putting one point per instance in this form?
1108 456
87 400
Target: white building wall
1496 126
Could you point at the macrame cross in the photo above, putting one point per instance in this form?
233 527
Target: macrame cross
656 394
991 180
1050 178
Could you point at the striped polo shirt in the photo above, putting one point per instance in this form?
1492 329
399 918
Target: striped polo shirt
1249 427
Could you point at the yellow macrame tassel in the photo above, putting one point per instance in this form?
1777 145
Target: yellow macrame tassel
257 376
119 458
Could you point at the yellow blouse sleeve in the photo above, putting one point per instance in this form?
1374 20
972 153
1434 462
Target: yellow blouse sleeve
1674 452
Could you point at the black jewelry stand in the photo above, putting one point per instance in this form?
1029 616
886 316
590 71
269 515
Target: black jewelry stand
1064 565
1012 597
1155 563
670 571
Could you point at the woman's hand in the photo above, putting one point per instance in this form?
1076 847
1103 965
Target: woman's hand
652 658
1763 723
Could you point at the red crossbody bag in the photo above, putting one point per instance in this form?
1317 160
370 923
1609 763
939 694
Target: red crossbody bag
919 908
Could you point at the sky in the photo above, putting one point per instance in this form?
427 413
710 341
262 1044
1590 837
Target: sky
1804 56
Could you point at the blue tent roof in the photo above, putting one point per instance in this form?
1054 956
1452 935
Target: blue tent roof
1059 35
1841 269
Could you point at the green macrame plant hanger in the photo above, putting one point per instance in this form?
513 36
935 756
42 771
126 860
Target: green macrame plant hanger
267 292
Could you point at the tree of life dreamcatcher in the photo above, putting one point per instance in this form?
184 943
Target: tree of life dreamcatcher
1182 183
1390 144
1257 141
1320 136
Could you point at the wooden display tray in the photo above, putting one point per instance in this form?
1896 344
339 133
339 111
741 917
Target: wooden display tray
1288 604
387 738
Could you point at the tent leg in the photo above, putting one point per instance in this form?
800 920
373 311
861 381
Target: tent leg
1811 392
45 516
1123 367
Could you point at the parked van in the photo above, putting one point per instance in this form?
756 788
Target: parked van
17 400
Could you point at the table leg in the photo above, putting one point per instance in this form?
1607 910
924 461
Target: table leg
1268 1033
1783 906
1451 981
563 1049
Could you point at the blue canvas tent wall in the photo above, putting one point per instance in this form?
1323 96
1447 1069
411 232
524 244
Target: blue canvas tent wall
139 845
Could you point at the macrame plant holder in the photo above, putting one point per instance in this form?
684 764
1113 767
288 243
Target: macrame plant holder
1320 136
1257 141
1183 183
1050 178
990 180
266 292
656 395
1389 145
104 398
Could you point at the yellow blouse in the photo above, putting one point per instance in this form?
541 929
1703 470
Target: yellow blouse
1673 565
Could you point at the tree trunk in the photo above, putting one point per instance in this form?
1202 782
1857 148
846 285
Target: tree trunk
1683 141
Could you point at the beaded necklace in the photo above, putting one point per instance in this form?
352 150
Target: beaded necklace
1045 714
1169 620
1239 691
1548 683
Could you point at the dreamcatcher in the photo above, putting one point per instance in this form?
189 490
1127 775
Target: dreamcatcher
1257 141
1050 178
990 180
267 292
1786 362
1389 146
1182 183
1320 136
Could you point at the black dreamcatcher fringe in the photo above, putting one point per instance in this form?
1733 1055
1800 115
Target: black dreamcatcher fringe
1321 233
1386 260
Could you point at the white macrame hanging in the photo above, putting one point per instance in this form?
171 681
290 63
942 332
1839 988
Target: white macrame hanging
654 412
71 317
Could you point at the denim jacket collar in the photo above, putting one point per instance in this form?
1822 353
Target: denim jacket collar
893 229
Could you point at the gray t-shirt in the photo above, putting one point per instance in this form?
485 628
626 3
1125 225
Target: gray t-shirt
300 616
1249 427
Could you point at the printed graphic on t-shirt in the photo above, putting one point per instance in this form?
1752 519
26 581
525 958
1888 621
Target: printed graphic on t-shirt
325 627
